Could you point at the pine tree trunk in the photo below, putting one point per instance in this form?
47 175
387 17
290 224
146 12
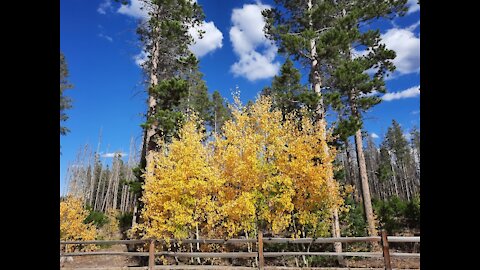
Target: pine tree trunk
149 143
320 111
367 202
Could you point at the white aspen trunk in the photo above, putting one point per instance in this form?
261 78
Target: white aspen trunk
197 235
134 216
336 233
215 122
305 262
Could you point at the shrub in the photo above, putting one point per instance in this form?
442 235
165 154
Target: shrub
98 218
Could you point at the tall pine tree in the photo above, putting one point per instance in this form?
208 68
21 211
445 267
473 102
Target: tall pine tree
65 102
166 38
287 93
220 112
349 81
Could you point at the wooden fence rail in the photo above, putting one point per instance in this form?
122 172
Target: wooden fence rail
260 254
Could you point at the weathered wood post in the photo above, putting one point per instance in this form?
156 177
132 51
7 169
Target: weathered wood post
151 255
386 251
261 262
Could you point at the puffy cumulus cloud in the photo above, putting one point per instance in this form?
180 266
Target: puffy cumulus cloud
406 46
256 53
135 9
211 40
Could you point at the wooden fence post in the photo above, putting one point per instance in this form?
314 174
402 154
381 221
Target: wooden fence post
151 255
386 251
261 262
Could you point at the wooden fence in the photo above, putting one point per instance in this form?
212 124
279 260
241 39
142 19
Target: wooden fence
260 254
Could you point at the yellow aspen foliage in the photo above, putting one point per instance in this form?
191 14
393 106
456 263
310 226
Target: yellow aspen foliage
308 161
262 172
180 187
255 192
276 170
72 215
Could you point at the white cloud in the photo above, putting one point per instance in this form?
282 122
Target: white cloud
415 112
104 7
355 53
375 136
135 9
371 94
407 48
407 93
413 6
413 26
211 40
111 155
247 36
106 37
141 58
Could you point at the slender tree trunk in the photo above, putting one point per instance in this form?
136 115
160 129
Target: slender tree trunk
106 200
320 110
149 143
99 187
394 175
367 202
122 199
197 236
357 198
336 230
407 182
115 186
134 216
92 190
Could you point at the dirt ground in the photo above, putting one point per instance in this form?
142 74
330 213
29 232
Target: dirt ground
102 260
399 263
126 261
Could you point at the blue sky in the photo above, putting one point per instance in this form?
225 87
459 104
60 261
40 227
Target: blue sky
103 52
